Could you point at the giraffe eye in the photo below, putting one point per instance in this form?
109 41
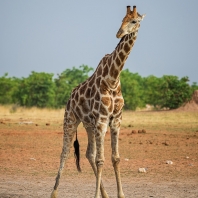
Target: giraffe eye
133 22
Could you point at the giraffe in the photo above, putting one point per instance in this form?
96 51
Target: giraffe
98 103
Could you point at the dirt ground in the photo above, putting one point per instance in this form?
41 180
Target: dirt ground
31 142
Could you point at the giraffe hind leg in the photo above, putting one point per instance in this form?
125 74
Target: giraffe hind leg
70 127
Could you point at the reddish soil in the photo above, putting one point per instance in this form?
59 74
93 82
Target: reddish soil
29 160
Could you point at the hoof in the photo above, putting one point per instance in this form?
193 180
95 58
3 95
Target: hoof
105 195
54 194
121 196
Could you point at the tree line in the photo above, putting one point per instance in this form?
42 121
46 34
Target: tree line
42 89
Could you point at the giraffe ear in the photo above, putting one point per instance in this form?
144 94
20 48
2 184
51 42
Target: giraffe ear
141 17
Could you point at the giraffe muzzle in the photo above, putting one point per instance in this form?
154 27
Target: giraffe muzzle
119 33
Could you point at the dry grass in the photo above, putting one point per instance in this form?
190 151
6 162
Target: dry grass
177 121
171 120
31 113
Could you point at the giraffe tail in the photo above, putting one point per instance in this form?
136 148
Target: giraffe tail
77 153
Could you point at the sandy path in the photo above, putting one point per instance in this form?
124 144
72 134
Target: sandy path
78 188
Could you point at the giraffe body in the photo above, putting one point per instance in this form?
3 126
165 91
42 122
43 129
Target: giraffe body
98 103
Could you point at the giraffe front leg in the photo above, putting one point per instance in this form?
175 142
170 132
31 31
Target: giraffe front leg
91 156
99 137
115 128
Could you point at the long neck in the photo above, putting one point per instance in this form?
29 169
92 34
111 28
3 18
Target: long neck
115 61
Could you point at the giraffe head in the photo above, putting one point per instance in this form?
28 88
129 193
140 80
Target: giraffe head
130 23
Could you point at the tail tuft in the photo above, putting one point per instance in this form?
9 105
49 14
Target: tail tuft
77 153
54 194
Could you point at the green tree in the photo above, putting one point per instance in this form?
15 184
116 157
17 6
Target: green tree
175 91
42 90
194 86
7 87
36 90
152 90
132 89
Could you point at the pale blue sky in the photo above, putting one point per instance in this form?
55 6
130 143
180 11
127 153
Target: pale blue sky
50 36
